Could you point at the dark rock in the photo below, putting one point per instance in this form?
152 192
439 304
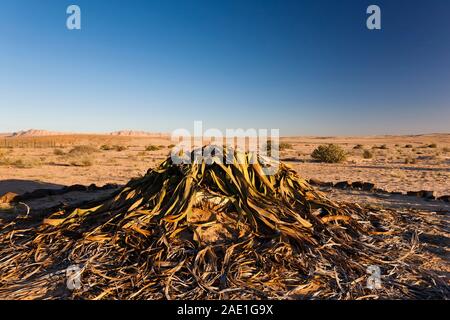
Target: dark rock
422 194
367 186
397 193
379 190
357 185
445 198
428 194
319 183
315 182
342 185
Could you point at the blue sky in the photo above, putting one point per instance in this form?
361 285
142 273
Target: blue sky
305 67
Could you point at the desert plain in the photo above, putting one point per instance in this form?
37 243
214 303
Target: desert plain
408 176
393 163
397 164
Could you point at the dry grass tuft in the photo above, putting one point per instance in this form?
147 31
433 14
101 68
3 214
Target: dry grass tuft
107 147
152 148
83 150
367 154
58 152
82 162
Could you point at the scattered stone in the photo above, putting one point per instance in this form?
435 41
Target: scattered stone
367 186
422 194
358 185
342 185
319 183
445 198
428 194
315 182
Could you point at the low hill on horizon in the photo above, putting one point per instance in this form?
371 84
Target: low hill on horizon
43 133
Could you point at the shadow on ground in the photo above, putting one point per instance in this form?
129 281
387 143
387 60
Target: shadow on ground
387 200
22 186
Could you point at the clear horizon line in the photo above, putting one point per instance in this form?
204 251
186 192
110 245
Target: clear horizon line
165 133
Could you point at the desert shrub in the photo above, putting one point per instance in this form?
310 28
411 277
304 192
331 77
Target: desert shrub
19 163
152 148
330 153
281 146
120 148
106 147
358 146
82 162
83 150
433 145
170 146
58 152
410 160
285 145
382 147
86 162
367 154
22 164
446 149
408 146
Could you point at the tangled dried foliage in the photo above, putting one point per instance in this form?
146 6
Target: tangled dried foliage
216 231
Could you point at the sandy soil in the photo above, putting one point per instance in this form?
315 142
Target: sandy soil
399 163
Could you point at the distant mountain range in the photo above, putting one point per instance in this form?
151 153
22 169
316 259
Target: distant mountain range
133 133
137 133
42 133
36 133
